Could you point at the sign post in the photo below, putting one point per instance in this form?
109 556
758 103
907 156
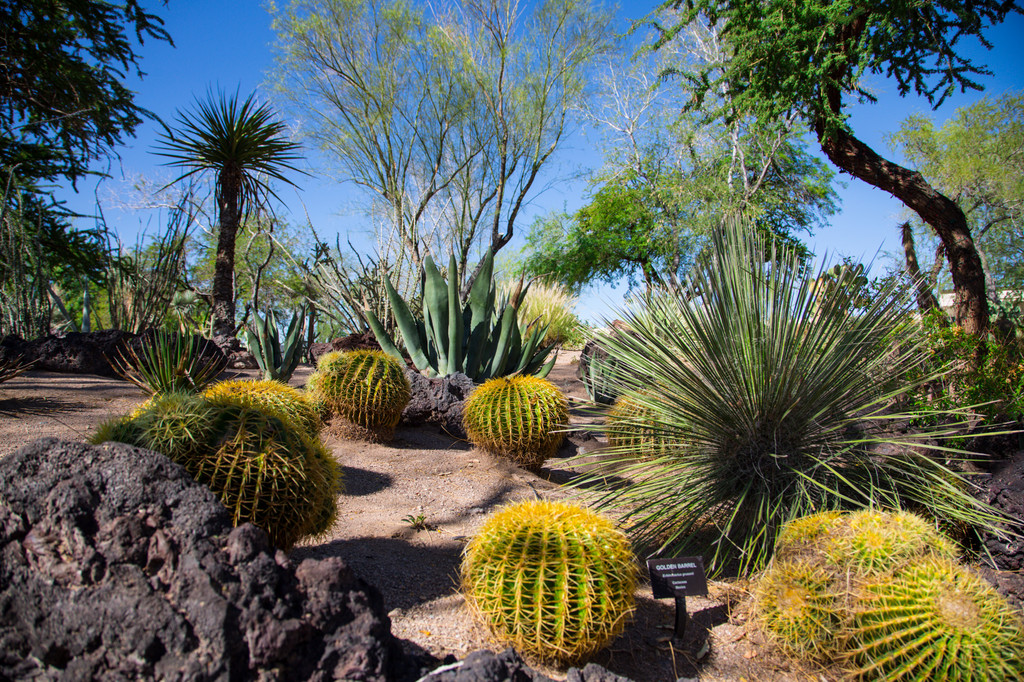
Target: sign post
677 578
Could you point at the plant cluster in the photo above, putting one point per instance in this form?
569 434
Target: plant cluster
517 417
362 391
553 579
481 339
168 361
881 593
770 407
550 306
245 444
275 358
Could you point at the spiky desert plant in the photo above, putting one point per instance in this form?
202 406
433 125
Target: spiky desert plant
632 425
935 621
517 417
772 408
553 579
168 362
872 542
800 606
274 397
550 306
366 389
11 367
265 469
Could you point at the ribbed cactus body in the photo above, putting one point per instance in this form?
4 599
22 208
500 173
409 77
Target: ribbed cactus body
271 396
798 605
264 468
631 424
517 417
366 389
935 621
553 579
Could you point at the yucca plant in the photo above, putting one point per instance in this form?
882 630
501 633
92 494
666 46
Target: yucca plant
773 406
169 361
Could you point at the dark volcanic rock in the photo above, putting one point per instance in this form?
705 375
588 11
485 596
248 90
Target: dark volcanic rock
438 401
1005 492
485 666
73 353
236 356
115 564
361 341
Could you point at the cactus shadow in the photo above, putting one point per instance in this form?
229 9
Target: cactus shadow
37 407
359 482
406 573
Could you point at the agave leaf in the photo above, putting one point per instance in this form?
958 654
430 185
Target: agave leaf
435 314
387 344
413 336
456 352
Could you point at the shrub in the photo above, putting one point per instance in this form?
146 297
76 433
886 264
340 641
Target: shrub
517 417
265 469
168 361
771 408
935 621
366 389
550 306
552 579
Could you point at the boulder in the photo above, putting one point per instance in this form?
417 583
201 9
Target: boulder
486 666
361 341
437 400
72 353
116 564
235 355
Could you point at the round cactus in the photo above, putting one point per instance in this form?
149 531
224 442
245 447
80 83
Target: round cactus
271 396
264 469
935 621
365 389
516 416
798 605
552 579
872 542
631 424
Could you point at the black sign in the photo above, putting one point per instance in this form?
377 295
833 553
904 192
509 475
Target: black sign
679 577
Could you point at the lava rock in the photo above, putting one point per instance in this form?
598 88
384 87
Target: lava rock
486 666
1005 492
1010 584
438 400
362 341
116 564
72 353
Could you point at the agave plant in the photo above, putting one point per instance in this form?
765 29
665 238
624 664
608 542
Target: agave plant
482 340
772 406
278 359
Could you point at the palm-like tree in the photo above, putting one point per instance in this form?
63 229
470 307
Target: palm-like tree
245 148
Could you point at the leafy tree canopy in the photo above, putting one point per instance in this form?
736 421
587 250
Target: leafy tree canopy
63 101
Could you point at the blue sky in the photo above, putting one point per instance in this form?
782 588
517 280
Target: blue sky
228 44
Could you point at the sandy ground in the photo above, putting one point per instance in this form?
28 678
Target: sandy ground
453 486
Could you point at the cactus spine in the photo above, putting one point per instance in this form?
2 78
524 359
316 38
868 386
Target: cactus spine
366 389
631 424
273 397
936 621
553 579
517 417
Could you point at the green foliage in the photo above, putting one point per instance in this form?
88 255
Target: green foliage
600 375
548 306
935 621
282 401
265 469
169 361
552 579
366 389
806 600
771 407
262 338
993 388
973 158
517 417
481 340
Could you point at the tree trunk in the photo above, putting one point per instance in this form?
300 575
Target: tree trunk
937 210
229 203
926 301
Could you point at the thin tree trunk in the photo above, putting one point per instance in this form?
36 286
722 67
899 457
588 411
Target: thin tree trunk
926 300
937 210
224 267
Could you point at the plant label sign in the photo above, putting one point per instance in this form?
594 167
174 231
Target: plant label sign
679 577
